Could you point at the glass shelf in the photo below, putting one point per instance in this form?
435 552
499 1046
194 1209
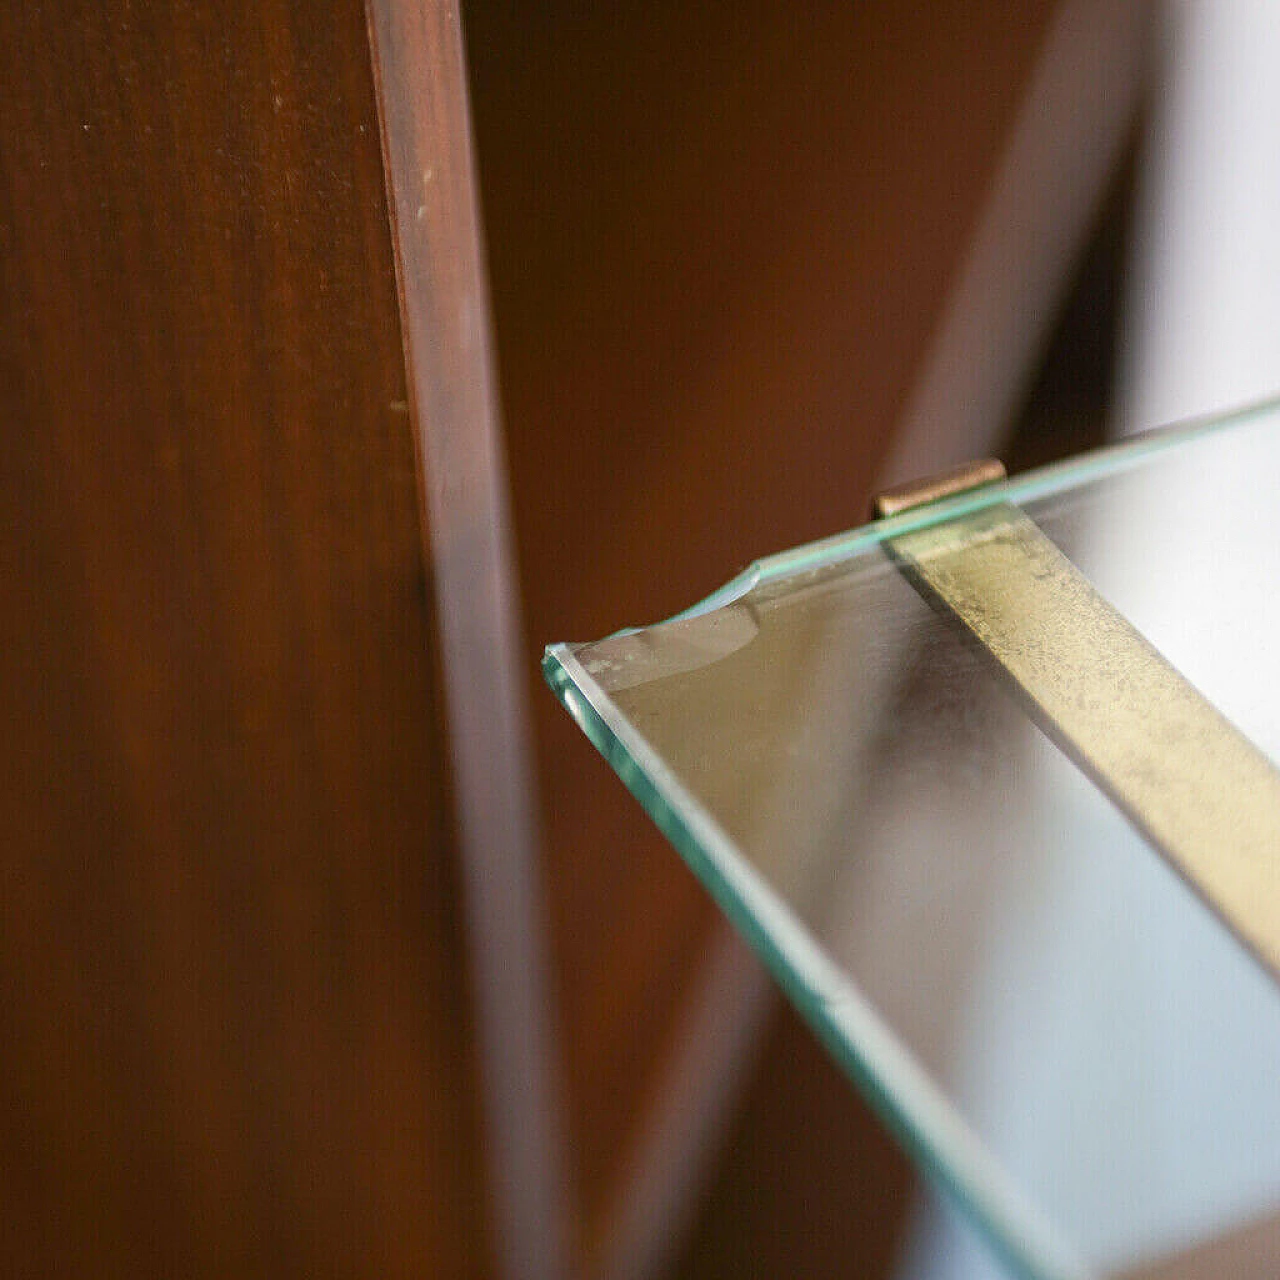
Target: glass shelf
1050 1020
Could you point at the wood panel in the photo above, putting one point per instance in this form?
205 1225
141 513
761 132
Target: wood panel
235 1038
420 73
813 1185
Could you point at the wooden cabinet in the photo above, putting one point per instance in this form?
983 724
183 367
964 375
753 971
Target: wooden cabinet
278 993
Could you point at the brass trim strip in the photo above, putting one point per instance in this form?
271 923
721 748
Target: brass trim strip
1187 778
890 502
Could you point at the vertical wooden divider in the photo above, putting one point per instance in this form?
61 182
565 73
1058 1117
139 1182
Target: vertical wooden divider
419 71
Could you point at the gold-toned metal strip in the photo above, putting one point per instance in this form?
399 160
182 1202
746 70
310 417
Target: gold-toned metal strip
889 502
1186 777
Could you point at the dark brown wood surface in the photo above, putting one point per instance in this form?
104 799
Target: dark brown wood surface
811 1183
234 1037
235 1030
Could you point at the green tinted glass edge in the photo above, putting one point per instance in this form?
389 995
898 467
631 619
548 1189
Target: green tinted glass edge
880 1067
1042 482
886 1074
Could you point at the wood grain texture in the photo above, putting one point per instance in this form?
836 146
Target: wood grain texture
235 1034
721 236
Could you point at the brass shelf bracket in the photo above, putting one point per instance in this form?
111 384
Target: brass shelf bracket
1199 791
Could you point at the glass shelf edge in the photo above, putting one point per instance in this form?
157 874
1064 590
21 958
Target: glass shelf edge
834 1008
1041 482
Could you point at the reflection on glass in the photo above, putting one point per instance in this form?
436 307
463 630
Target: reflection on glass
1047 1016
